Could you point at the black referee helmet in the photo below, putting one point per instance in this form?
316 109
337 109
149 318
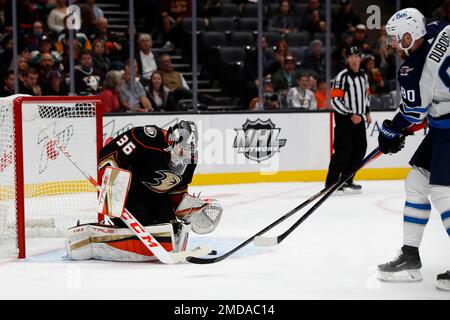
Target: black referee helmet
352 50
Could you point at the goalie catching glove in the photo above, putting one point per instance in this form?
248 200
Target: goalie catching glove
203 214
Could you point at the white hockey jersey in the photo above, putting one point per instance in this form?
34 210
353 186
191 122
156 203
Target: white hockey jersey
424 79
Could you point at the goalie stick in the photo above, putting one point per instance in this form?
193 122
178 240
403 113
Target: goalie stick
326 192
132 223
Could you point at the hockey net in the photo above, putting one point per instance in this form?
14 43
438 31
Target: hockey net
41 192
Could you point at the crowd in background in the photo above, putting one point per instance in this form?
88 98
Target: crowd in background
294 76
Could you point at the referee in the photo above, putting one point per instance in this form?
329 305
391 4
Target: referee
350 101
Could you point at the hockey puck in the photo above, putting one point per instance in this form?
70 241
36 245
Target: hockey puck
213 253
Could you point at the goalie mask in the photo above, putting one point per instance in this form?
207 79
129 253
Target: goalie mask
182 139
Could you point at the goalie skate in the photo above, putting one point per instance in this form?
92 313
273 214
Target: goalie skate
404 268
443 281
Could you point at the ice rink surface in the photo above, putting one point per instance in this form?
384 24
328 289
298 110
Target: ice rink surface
332 255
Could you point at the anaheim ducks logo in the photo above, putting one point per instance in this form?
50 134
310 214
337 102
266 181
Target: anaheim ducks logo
165 181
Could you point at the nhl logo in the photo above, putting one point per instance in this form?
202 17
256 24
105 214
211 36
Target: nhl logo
258 140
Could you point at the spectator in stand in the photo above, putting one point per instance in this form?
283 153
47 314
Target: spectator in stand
22 63
102 64
110 92
33 39
339 58
385 56
46 64
359 39
55 20
270 65
345 19
137 100
376 83
80 43
8 88
321 94
173 13
270 98
45 46
145 58
88 20
87 80
315 60
173 79
158 94
30 84
27 13
98 13
281 51
114 46
300 97
313 17
284 21
312 82
285 79
56 86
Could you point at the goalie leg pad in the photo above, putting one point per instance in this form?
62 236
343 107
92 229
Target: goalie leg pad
92 241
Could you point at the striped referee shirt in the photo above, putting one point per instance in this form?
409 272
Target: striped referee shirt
350 92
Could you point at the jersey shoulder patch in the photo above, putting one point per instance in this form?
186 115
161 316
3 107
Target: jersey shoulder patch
150 131
150 137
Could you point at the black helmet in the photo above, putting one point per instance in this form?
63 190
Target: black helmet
352 50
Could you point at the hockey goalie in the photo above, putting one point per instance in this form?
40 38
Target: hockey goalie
147 170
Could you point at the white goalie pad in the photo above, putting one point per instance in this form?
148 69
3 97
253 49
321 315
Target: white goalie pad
203 214
101 242
113 191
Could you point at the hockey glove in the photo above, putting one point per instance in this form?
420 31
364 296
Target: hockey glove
390 140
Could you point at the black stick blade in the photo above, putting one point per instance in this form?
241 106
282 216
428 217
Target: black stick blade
196 260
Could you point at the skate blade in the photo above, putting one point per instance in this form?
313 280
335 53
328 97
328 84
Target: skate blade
351 191
443 285
338 193
413 275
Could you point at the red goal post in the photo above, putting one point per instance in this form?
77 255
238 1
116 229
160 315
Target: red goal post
41 194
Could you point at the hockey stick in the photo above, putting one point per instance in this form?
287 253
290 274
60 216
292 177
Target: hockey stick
272 241
131 222
327 191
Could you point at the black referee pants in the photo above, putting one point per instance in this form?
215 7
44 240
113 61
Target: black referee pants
350 145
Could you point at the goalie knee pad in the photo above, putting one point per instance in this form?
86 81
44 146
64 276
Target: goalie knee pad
417 206
203 214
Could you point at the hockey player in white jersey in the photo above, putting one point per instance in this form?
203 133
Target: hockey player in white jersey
424 80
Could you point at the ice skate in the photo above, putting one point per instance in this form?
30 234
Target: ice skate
352 188
404 268
443 281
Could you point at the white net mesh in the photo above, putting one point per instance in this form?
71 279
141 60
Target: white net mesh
56 194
